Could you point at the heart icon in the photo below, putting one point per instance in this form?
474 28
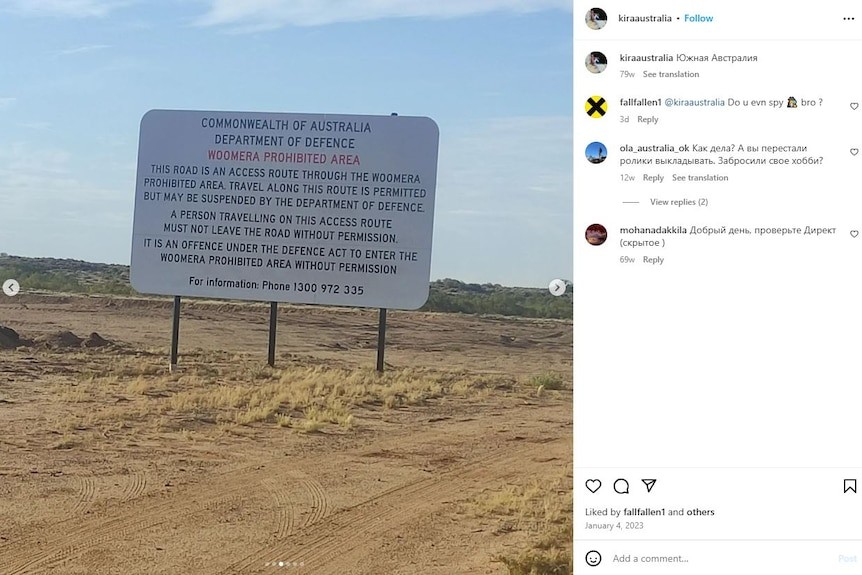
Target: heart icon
854 105
854 233
593 485
854 151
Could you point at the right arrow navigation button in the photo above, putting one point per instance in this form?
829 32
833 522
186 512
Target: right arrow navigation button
557 287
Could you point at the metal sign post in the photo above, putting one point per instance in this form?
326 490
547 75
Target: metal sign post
175 333
381 339
273 322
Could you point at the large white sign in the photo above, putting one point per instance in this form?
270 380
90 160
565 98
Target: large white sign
305 208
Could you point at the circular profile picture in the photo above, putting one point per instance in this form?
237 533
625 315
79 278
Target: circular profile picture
596 18
596 234
596 153
596 62
596 106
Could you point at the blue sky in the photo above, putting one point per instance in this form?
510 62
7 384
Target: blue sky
496 76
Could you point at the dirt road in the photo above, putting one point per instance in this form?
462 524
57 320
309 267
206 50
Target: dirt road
103 470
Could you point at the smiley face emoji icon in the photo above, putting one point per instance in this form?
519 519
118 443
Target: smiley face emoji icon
594 558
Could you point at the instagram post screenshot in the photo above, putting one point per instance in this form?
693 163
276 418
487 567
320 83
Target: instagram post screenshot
717 259
287 287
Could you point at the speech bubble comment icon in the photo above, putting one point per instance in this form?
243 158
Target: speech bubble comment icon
621 486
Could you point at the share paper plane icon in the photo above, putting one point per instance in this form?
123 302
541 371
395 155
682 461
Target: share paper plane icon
649 484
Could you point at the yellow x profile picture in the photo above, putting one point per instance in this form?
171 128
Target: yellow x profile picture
596 107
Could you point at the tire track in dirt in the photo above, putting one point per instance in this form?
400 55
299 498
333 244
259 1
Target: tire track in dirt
80 541
135 487
86 489
68 540
339 546
319 502
337 543
318 505
285 516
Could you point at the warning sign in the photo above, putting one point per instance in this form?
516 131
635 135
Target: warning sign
596 107
304 208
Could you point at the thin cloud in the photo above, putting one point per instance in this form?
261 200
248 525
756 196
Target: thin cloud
46 208
517 197
41 126
6 102
32 178
72 8
82 49
252 15
527 160
525 176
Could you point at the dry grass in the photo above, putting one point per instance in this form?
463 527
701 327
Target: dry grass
548 381
530 506
68 441
309 425
546 559
284 420
541 509
220 388
141 385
